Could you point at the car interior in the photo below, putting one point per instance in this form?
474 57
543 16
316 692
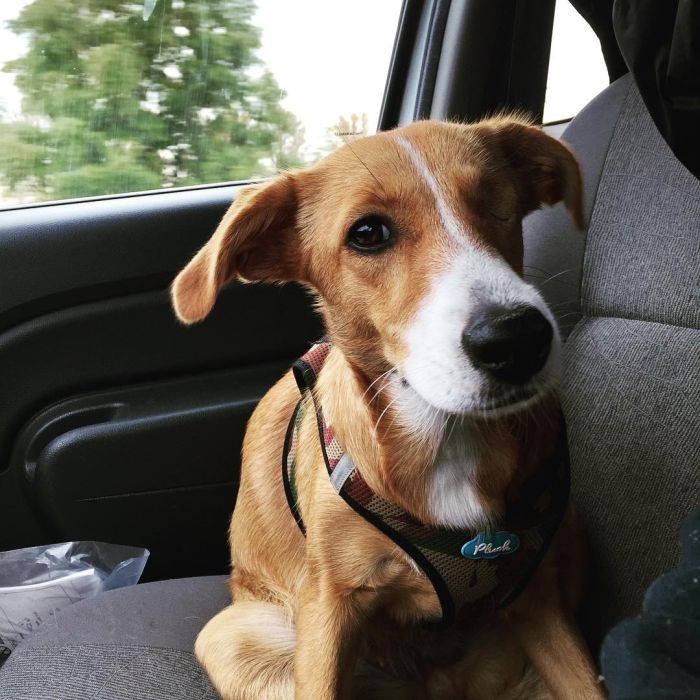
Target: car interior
118 424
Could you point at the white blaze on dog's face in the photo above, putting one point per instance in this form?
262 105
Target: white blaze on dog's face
413 241
473 283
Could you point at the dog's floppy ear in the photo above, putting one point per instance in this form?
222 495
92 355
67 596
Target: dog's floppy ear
255 241
546 168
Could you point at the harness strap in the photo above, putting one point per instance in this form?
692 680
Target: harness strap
288 459
463 585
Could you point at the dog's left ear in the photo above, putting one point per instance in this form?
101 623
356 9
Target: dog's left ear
546 168
255 241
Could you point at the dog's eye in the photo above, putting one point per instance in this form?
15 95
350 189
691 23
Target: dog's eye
369 235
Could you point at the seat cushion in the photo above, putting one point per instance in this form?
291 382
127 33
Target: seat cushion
130 643
632 401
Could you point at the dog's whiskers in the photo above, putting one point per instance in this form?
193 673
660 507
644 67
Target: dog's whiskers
381 415
364 165
554 276
452 429
383 375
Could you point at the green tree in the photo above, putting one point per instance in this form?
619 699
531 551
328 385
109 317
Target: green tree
119 103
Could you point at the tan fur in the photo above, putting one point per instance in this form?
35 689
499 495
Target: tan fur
332 615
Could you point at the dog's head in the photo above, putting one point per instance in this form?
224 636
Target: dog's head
412 240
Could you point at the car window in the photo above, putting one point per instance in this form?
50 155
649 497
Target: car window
577 71
112 96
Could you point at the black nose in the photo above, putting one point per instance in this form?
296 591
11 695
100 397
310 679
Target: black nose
510 344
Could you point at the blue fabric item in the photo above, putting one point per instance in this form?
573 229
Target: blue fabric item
657 655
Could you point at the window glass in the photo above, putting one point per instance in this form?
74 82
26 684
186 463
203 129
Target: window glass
109 96
577 71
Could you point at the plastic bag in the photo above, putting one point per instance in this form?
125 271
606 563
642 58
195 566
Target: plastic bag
38 581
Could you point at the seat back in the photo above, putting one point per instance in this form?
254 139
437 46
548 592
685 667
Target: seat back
627 293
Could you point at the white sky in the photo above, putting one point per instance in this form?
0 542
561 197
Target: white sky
577 70
335 63
332 57
11 46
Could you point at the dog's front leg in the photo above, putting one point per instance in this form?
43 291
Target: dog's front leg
554 645
328 626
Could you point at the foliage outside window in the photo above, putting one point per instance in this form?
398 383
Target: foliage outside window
128 96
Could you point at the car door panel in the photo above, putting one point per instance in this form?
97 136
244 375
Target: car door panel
116 422
158 460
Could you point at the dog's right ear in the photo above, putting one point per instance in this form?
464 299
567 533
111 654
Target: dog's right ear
546 168
255 241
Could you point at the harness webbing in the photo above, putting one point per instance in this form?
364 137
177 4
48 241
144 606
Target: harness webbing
463 585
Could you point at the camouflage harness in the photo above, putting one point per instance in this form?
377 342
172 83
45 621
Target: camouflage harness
471 575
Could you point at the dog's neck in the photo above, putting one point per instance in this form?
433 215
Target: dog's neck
444 470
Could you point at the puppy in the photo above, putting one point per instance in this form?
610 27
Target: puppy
402 528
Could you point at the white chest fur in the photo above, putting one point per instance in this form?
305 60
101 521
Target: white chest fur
452 497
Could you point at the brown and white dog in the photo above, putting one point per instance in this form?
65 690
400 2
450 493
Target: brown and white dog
440 383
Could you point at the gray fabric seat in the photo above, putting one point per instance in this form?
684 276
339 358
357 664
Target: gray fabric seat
627 292
628 297
129 644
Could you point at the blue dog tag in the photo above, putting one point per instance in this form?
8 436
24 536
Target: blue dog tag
489 545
